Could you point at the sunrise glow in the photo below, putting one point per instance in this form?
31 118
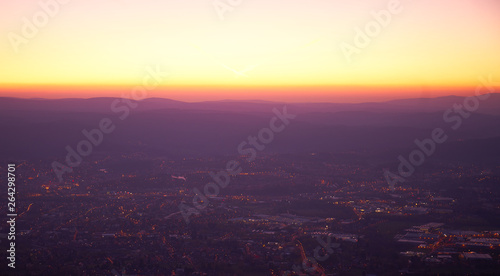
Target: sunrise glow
268 50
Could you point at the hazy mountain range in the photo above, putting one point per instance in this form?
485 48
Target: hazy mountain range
41 128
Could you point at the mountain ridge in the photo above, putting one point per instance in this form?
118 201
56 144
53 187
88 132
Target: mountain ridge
102 104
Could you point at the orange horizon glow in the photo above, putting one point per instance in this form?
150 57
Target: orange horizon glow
339 94
262 50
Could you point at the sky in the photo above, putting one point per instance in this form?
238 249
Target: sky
294 50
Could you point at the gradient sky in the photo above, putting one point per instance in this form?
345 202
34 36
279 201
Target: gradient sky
102 47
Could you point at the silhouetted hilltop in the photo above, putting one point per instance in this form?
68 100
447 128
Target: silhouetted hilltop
43 128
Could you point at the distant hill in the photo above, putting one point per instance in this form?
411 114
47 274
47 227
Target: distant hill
41 128
102 105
